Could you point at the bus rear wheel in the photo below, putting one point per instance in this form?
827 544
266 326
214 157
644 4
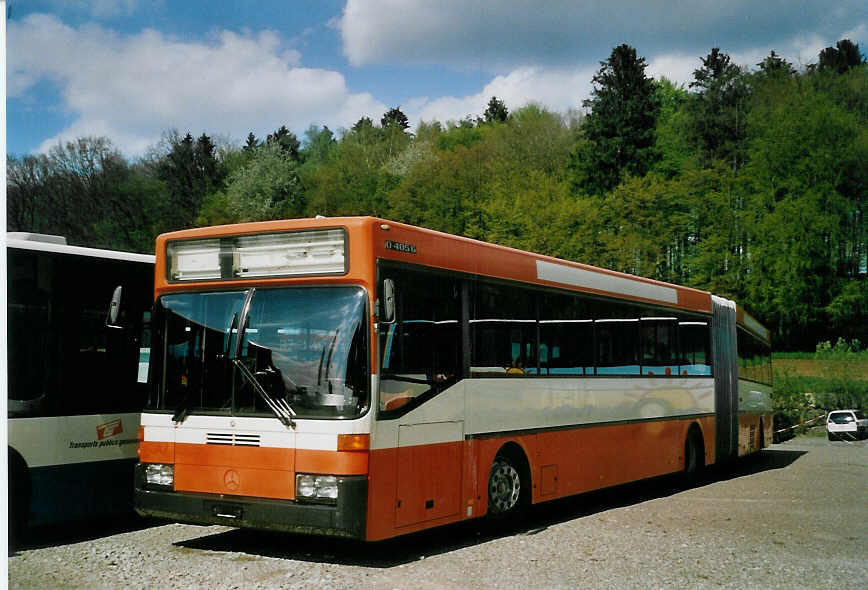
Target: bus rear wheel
694 459
505 488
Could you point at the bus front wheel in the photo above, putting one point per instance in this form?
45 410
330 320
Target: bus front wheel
507 488
19 498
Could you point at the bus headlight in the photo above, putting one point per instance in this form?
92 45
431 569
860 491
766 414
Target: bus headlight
158 474
318 488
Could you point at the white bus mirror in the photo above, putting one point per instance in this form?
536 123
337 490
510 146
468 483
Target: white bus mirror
388 301
114 309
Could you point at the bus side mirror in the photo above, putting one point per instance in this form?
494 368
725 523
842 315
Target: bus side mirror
388 301
114 310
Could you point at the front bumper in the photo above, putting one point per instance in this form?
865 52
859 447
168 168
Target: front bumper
346 518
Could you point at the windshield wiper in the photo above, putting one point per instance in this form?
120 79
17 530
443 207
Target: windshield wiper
183 409
279 407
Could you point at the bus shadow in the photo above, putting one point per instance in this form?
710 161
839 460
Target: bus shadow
78 532
417 546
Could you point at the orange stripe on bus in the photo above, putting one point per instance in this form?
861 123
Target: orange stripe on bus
331 462
156 452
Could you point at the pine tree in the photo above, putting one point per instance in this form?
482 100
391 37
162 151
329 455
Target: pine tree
619 128
287 141
496 111
395 116
252 142
774 66
719 110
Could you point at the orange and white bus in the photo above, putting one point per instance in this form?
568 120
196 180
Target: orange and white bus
364 378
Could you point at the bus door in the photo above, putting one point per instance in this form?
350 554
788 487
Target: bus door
419 396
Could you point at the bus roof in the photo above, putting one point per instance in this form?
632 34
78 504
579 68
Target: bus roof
411 244
27 242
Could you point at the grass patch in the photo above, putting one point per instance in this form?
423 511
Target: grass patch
813 367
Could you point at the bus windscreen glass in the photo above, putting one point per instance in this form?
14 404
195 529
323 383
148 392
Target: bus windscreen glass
305 347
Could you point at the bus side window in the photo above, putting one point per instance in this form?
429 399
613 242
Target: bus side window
503 330
694 340
617 346
420 351
566 335
659 346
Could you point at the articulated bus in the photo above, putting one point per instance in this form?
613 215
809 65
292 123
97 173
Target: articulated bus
363 378
76 386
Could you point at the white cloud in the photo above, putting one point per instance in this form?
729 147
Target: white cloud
508 34
560 89
555 88
799 51
131 88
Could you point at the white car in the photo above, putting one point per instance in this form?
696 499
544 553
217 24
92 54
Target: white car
846 425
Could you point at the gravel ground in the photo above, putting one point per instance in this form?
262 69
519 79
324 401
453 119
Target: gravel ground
796 517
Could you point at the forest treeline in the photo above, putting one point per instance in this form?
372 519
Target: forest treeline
748 182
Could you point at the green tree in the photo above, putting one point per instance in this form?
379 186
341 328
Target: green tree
675 153
267 187
719 121
190 170
774 66
286 140
807 157
349 184
848 310
620 125
396 117
318 144
83 190
842 57
496 111
252 143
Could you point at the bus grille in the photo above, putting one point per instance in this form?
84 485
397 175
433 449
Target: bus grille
230 438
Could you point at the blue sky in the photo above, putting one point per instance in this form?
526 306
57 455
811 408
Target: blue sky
132 69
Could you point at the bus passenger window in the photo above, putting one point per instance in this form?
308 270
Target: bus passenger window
617 341
659 346
503 331
566 335
694 341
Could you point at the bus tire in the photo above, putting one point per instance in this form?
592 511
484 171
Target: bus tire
508 486
19 498
762 436
694 458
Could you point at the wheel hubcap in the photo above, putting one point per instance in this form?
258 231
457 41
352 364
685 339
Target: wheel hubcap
504 487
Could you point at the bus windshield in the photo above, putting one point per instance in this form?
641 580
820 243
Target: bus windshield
303 347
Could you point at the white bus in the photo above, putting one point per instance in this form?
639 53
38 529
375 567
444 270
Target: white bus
76 386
